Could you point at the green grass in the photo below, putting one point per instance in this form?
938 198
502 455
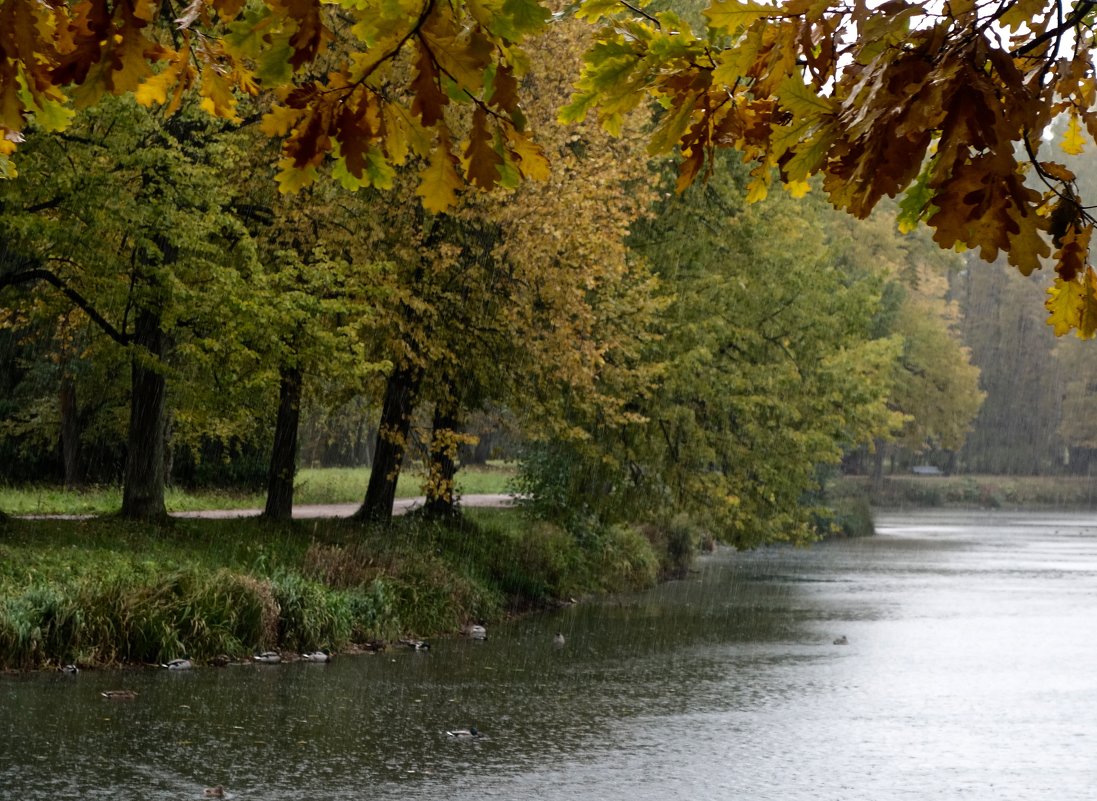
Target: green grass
313 486
106 591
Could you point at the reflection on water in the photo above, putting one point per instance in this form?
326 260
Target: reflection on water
969 673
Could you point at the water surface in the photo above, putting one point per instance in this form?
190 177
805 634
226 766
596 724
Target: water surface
971 672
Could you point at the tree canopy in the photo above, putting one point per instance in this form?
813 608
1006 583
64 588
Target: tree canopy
945 104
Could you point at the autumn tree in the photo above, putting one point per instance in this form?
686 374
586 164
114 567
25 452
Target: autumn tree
935 386
943 104
770 363
311 304
1016 431
497 300
121 216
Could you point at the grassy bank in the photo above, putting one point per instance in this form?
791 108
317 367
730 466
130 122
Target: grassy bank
102 591
312 486
993 492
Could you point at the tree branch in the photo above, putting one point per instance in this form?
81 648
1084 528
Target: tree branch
1077 14
50 277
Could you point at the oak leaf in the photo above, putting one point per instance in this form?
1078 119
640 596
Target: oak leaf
429 101
531 159
1074 139
732 16
482 161
439 181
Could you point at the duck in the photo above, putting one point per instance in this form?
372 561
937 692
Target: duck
214 792
221 660
70 669
323 655
179 664
416 645
464 734
476 632
843 640
558 639
268 657
119 695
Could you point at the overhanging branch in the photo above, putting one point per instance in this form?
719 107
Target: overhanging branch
50 277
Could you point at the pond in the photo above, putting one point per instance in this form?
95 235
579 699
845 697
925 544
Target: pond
970 671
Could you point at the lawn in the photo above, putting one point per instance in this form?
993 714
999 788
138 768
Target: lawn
313 486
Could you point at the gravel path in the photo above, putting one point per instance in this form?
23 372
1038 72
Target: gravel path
347 509
330 510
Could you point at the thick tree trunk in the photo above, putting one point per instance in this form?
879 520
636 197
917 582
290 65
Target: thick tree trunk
392 438
441 498
143 489
283 458
70 432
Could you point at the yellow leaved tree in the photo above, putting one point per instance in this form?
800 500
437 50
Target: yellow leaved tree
943 103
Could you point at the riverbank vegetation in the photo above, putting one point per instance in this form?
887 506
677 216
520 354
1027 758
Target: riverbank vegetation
653 354
968 491
106 591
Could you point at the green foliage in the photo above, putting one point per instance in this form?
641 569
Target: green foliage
309 615
676 541
847 517
107 591
372 612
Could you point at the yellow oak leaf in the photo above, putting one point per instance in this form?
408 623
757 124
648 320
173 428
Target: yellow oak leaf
217 97
1026 247
1018 14
280 120
531 159
731 16
757 190
798 188
292 179
1074 139
403 133
1064 305
464 53
154 90
439 180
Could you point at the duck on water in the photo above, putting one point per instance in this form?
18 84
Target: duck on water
465 734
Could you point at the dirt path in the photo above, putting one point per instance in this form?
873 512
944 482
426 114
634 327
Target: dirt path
401 506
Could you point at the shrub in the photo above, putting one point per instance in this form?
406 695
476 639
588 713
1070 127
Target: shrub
626 560
311 616
372 612
674 542
848 517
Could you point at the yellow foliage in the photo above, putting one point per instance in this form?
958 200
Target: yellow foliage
1074 139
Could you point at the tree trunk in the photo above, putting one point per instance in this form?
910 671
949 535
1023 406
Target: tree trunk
143 489
70 432
391 444
877 482
441 498
283 458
